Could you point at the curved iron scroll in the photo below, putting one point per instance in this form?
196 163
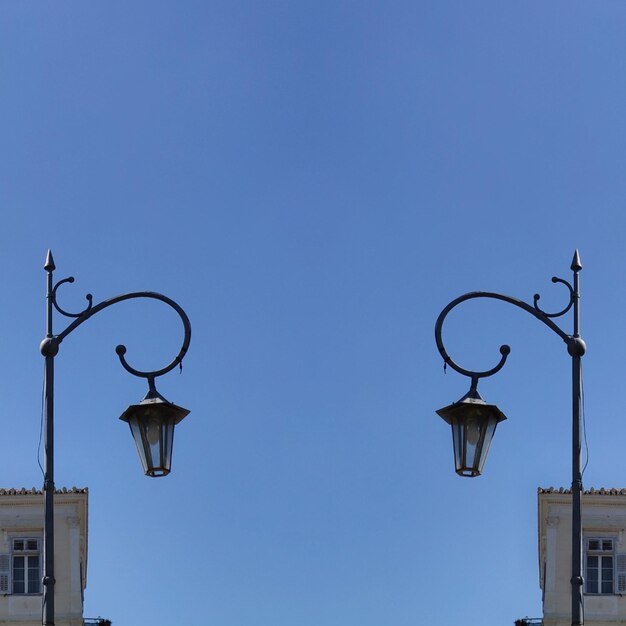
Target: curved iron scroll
89 298
92 309
504 349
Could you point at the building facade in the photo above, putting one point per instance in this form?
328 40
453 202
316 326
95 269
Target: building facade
21 556
604 556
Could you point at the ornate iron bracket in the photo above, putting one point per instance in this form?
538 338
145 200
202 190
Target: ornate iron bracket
51 343
575 344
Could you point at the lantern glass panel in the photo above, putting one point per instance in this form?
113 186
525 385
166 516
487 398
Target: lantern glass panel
490 430
473 429
457 440
135 429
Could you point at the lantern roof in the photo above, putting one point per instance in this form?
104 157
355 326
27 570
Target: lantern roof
153 397
471 398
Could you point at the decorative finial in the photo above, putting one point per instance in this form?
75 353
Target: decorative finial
576 265
49 266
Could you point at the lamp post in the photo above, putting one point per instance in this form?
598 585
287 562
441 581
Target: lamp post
151 421
474 421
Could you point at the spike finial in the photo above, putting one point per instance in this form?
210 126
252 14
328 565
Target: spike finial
49 266
576 265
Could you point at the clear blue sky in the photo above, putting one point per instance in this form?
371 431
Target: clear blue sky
313 182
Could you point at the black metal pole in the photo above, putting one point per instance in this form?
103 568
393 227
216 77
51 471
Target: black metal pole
576 348
49 348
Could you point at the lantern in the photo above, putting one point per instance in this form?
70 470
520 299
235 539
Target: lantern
473 424
152 424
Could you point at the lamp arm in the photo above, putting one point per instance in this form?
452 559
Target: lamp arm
534 310
92 309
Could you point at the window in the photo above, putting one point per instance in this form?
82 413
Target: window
25 565
599 565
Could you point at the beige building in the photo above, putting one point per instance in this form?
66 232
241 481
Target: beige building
21 556
604 556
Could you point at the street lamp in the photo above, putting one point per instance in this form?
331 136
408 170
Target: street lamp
151 421
474 421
